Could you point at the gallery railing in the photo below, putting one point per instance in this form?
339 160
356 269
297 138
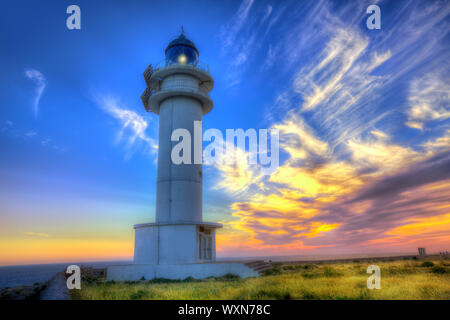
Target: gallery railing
199 65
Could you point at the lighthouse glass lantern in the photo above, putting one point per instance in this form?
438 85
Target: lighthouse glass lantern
182 51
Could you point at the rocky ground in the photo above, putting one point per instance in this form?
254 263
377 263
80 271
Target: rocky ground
54 289
22 292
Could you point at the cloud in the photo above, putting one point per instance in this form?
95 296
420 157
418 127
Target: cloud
333 206
380 155
319 83
37 234
438 143
417 194
352 178
431 170
299 140
231 30
429 99
132 124
241 37
46 142
31 135
269 9
41 83
236 176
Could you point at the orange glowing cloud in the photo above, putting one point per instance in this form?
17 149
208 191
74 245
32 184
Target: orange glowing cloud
308 202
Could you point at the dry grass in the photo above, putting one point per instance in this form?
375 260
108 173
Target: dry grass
406 279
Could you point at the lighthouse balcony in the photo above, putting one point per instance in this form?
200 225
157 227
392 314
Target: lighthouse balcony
168 79
200 65
199 71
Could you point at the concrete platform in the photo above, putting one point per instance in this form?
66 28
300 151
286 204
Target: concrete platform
134 272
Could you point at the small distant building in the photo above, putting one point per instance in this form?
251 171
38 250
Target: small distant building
422 252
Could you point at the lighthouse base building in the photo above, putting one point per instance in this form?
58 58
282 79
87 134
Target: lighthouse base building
179 244
176 251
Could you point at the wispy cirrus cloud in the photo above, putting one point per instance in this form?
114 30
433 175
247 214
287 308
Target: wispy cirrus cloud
133 126
41 82
232 29
33 136
240 38
341 122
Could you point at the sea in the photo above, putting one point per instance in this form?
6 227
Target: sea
25 275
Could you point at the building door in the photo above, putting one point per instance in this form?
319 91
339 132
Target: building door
204 244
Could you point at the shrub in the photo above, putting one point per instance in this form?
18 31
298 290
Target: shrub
137 295
189 279
273 294
439 270
288 268
427 264
272 272
164 280
309 275
330 272
230 276
310 296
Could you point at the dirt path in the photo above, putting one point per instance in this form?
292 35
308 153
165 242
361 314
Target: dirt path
56 289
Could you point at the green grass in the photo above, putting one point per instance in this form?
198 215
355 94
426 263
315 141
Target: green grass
405 279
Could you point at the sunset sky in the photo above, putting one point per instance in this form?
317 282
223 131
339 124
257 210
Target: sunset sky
363 116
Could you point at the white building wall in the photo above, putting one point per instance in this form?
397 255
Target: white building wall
146 245
179 187
165 244
178 244
177 81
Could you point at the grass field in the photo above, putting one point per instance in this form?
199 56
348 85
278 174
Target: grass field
404 279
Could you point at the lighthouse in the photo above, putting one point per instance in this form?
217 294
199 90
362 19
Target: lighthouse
177 91
178 244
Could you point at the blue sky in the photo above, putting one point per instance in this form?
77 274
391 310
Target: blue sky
77 162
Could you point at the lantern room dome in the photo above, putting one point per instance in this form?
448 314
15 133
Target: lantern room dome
181 50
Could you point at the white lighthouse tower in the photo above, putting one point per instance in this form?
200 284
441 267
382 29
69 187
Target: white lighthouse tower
178 93
179 244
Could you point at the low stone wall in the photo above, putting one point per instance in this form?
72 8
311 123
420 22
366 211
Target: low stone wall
137 272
